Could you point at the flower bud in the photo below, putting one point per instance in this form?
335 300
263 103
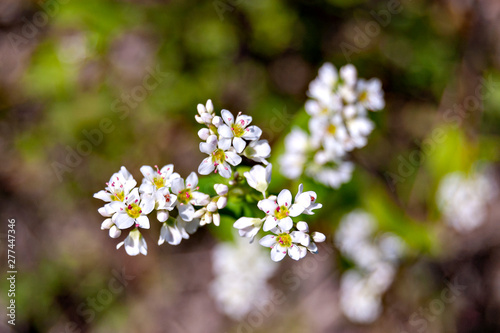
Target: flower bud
204 133
108 223
162 215
217 121
216 218
221 189
212 207
222 202
114 232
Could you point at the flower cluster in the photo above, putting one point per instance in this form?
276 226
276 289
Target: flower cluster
164 191
287 236
227 139
375 260
464 199
241 272
338 107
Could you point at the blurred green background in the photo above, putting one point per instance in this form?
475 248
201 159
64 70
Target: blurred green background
129 74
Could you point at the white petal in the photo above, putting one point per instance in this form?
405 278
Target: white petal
143 222
270 223
285 224
278 253
244 222
225 132
186 212
224 170
192 180
243 120
177 185
147 204
268 240
296 210
267 206
252 133
122 220
285 198
103 195
239 144
294 252
233 158
206 166
228 117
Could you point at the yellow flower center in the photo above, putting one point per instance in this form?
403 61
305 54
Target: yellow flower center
117 196
133 210
363 96
159 182
284 240
219 156
332 129
238 130
281 212
184 196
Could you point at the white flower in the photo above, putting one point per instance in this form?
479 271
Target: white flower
134 243
165 202
307 200
464 199
370 94
296 147
347 89
133 210
331 175
155 180
240 273
174 230
187 196
221 155
118 187
258 151
259 177
237 131
282 243
205 113
248 227
331 133
280 212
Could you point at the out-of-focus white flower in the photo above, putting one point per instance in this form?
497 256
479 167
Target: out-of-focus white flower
133 210
259 177
118 187
241 273
236 131
258 151
296 147
134 243
221 155
155 180
331 174
464 199
376 260
370 94
188 195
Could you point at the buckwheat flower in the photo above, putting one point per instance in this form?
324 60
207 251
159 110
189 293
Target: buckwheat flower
331 133
307 240
258 151
296 147
165 202
134 243
281 243
236 131
332 173
188 195
221 155
259 177
173 231
280 212
358 126
347 89
248 227
133 210
205 113
463 199
307 200
370 94
155 180
321 89
118 187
